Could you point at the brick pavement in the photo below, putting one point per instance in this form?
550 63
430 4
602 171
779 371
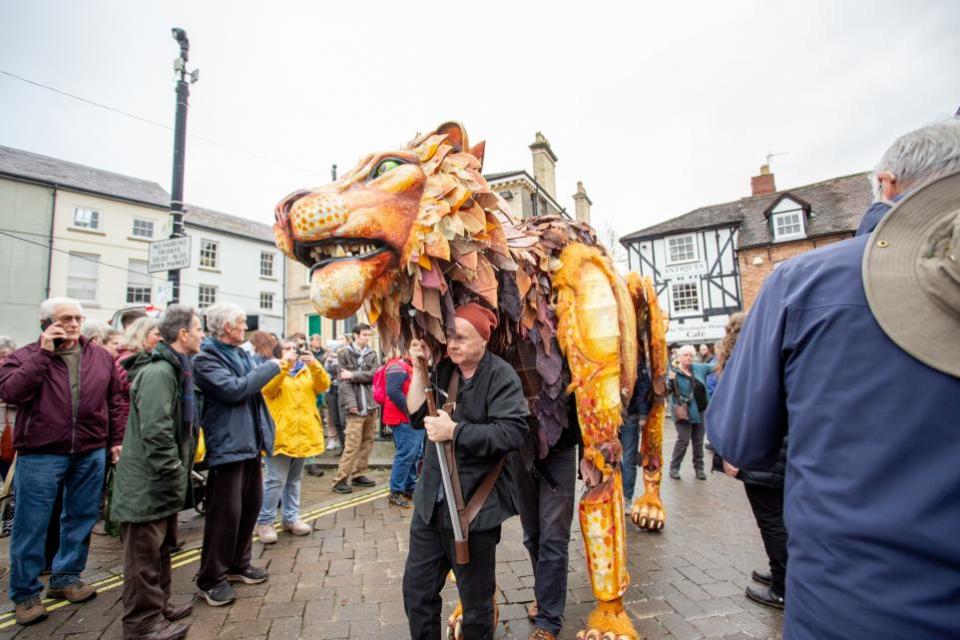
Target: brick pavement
343 581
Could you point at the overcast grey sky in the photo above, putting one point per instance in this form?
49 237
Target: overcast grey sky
657 109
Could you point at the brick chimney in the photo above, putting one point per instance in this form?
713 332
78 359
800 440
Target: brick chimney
581 203
763 184
544 164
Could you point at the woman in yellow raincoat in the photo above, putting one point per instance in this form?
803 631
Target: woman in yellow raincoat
292 400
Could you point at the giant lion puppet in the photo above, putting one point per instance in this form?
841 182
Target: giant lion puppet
410 233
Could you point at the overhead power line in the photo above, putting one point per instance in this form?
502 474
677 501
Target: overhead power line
154 123
118 267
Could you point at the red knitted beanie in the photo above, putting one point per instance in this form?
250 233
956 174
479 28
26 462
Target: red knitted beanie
482 319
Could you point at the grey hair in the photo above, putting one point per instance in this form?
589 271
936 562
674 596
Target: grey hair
49 306
218 315
136 334
7 343
176 317
687 348
95 330
918 157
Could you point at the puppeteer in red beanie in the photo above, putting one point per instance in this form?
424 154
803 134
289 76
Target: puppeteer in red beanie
482 319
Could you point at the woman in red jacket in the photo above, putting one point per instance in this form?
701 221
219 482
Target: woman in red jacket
409 441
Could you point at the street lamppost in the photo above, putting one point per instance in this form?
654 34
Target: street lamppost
184 80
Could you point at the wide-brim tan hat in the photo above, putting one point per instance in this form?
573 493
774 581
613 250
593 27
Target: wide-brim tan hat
911 274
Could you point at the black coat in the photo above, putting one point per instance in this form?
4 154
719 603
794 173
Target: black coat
491 422
772 477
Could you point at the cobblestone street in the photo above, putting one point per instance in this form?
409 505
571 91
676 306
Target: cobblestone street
343 581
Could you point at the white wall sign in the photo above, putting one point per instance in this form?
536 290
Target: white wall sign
693 330
165 255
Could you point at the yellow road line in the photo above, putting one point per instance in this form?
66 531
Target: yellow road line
188 556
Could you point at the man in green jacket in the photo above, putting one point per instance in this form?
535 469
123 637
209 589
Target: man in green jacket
153 476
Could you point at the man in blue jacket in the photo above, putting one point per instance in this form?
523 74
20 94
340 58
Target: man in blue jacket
872 494
236 428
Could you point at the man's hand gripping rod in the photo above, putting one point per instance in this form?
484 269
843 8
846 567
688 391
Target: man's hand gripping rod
462 550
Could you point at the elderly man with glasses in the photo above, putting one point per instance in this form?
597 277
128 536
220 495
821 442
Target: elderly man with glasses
69 397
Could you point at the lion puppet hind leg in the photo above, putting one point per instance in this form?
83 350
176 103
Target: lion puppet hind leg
597 331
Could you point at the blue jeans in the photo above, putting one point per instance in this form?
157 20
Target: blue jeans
409 442
630 441
281 485
36 483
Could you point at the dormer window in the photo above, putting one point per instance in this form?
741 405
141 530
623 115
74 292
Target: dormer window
788 220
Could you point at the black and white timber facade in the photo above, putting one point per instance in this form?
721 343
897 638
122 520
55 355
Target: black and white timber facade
693 263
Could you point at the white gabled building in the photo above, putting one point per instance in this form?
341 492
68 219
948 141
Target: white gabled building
71 230
234 260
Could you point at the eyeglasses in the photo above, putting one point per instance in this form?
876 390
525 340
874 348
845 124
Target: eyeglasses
68 319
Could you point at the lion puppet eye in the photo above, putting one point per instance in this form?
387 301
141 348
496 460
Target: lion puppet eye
385 165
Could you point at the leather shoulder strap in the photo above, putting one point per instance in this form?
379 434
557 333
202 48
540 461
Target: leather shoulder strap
479 497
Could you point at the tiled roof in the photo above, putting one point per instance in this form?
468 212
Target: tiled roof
836 205
209 219
69 175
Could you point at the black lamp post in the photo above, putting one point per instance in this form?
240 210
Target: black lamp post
184 81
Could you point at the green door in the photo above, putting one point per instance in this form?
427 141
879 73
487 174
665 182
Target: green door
314 325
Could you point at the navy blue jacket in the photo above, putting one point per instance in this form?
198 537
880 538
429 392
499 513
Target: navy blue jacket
642 390
872 492
235 420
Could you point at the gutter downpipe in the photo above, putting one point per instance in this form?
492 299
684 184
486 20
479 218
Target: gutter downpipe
53 215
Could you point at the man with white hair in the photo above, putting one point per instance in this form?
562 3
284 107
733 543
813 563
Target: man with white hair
854 347
69 397
236 428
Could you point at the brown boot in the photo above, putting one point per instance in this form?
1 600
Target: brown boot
76 592
31 611
171 612
167 631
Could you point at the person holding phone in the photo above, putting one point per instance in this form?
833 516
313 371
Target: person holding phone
69 395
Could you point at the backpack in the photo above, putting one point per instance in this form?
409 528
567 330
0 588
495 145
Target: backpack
380 385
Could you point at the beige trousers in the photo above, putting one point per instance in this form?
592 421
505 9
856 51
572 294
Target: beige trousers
357 446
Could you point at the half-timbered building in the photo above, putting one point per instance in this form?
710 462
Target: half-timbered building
711 262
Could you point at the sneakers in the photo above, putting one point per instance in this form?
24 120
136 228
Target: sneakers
74 592
342 487
363 481
249 575
701 475
674 474
765 596
408 494
31 611
398 500
298 528
219 595
266 533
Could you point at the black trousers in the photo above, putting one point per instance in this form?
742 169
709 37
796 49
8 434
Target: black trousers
333 406
546 512
147 547
686 432
234 496
429 559
767 506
